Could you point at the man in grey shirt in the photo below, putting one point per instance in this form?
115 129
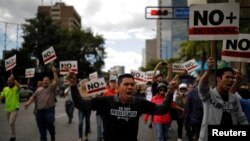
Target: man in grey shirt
220 105
44 98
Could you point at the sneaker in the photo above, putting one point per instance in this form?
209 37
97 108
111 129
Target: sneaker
70 121
12 139
179 139
150 126
53 138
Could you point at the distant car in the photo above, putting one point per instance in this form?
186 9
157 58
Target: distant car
25 92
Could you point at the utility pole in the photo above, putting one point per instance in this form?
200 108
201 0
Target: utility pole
5 39
17 36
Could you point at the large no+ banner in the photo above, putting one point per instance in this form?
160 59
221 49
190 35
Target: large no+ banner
217 21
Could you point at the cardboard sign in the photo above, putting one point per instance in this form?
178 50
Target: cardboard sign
29 73
139 76
49 55
178 67
190 65
65 65
217 21
237 50
96 86
10 63
93 76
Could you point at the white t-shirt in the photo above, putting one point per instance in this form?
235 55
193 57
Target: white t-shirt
148 93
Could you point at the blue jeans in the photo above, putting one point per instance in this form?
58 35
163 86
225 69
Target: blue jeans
99 127
45 120
81 116
161 131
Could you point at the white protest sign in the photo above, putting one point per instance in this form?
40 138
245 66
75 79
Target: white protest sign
10 63
93 76
65 65
139 76
190 65
217 21
149 75
29 73
96 86
237 50
178 67
49 55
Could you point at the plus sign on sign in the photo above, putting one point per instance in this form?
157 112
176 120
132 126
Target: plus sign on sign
66 66
96 86
49 55
216 21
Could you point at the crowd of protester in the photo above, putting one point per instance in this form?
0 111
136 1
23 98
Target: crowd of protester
162 101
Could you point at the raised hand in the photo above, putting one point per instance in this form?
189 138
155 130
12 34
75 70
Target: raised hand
71 77
53 67
210 63
238 75
172 86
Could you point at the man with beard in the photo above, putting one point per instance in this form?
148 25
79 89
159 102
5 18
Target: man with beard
121 113
11 95
44 98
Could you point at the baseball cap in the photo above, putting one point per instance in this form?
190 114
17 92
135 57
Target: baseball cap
183 85
161 85
160 74
112 78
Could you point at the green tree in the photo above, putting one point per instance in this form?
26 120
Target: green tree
78 44
39 34
195 49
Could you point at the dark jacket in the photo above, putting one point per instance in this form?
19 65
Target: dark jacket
120 120
193 108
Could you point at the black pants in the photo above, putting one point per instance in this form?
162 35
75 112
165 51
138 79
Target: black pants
69 107
87 122
195 132
179 127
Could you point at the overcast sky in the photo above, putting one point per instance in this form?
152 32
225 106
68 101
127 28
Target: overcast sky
121 22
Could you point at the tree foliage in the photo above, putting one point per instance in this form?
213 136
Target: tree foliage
40 33
78 44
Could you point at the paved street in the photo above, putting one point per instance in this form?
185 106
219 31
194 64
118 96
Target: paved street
27 130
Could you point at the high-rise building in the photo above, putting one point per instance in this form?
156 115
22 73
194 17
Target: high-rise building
117 70
150 51
63 15
171 33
